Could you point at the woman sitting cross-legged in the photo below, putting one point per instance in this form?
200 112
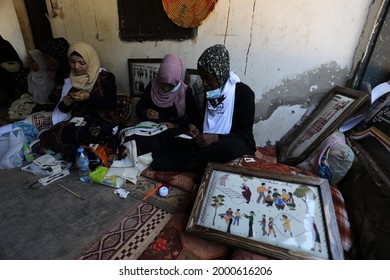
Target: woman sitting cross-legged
167 100
227 131
90 93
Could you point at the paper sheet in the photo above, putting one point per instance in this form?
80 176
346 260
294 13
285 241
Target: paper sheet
376 93
184 136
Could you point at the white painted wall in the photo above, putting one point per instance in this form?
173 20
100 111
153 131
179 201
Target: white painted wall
289 52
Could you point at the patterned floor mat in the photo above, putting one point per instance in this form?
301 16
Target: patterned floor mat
128 238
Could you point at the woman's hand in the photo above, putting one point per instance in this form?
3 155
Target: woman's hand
151 114
169 125
11 66
205 139
193 130
79 95
68 100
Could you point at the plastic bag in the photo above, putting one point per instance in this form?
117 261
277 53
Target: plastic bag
331 160
99 176
11 153
46 165
30 131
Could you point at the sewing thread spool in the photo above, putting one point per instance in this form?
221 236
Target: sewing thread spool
163 191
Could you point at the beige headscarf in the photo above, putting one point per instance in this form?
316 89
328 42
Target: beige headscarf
88 53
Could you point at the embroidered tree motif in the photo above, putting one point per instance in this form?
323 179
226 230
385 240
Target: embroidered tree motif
307 195
217 202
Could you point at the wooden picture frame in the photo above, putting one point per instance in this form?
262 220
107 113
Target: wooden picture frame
195 82
335 108
141 72
304 227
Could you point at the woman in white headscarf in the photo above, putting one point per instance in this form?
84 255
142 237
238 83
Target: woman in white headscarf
40 82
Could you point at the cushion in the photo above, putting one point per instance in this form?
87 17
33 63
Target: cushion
342 219
183 180
174 243
123 107
122 112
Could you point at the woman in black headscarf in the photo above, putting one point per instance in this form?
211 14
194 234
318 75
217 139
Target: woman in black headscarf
228 119
55 50
10 66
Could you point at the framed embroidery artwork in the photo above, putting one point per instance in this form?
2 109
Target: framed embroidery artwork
275 214
194 81
141 72
339 105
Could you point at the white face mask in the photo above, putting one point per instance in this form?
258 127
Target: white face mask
176 87
215 93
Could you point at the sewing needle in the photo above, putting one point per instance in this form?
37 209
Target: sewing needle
68 190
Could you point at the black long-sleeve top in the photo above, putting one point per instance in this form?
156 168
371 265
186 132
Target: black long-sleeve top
102 99
169 114
243 116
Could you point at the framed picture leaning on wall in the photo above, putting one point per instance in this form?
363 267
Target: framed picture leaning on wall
339 105
141 72
279 215
193 80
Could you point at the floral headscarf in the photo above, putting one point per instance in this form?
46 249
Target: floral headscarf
215 60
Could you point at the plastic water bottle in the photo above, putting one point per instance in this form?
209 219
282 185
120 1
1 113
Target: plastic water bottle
83 165
28 155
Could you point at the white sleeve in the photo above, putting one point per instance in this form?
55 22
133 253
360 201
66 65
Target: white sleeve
59 116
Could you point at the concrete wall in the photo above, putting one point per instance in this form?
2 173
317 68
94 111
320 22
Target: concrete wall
290 52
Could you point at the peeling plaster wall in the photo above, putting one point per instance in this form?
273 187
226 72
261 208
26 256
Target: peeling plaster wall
290 52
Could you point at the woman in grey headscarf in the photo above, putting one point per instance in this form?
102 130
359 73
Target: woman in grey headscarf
228 119
40 83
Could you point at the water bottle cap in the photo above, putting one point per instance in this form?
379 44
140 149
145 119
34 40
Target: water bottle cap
80 150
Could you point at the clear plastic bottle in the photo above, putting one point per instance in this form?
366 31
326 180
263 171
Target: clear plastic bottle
28 155
83 165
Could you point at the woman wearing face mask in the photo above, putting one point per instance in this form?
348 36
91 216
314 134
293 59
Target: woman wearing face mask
167 99
228 120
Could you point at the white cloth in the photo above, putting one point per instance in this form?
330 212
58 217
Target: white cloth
219 119
376 93
21 107
146 128
131 167
59 116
